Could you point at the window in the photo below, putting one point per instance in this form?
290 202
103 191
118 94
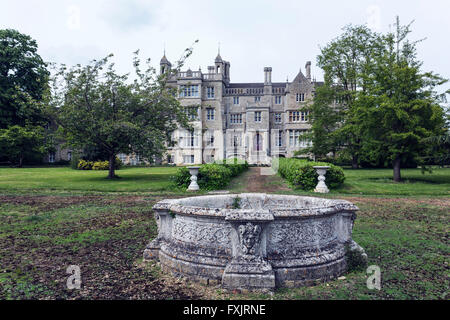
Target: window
236 118
123 157
170 159
190 139
51 157
210 93
277 117
191 112
210 139
304 116
279 139
189 91
277 99
210 113
69 155
235 100
236 141
189 159
294 116
134 161
257 116
295 139
209 158
300 97
257 99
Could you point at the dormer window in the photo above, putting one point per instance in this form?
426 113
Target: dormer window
300 97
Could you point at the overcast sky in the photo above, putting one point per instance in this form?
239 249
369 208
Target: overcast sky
252 34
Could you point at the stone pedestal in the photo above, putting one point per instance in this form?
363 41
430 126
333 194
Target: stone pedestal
321 186
194 172
164 221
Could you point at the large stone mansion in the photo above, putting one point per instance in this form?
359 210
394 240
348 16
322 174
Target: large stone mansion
249 121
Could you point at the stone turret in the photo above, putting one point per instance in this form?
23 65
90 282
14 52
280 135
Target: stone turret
165 64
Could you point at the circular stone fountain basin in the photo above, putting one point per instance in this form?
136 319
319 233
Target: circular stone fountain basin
254 241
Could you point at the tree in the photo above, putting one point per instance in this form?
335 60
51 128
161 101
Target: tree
20 143
95 106
324 119
23 80
406 108
346 61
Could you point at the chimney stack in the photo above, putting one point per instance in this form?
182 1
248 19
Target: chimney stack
308 70
267 75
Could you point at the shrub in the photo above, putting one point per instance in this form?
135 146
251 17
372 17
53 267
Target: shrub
100 165
301 174
97 165
85 165
210 176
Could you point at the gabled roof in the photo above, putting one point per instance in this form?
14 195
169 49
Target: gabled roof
300 77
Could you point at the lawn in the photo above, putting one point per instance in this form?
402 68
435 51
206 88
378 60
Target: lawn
65 179
157 179
51 218
379 182
105 235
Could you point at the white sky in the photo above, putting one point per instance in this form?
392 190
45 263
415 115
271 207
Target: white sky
283 34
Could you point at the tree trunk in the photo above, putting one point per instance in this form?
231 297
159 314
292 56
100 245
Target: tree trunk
112 158
397 176
354 162
20 161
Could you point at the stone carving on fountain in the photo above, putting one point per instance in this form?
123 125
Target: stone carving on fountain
249 238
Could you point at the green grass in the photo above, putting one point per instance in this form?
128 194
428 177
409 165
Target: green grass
40 236
157 179
64 178
51 218
379 182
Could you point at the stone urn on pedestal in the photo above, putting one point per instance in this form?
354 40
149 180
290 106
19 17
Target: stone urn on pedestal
321 186
193 171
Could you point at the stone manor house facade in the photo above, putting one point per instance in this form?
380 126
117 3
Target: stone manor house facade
249 121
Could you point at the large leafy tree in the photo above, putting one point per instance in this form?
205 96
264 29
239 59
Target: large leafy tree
406 109
324 122
21 143
23 80
96 106
346 61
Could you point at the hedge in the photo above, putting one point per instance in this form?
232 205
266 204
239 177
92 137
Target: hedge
212 176
301 174
97 165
